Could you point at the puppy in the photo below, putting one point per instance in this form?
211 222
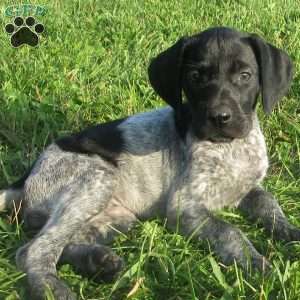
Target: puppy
203 152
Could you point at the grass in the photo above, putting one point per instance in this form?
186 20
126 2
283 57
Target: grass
91 67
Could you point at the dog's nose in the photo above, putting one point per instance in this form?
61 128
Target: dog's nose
221 116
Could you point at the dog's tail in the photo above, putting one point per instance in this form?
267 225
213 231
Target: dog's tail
9 198
13 195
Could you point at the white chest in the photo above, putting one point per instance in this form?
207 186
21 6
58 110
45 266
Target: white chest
220 175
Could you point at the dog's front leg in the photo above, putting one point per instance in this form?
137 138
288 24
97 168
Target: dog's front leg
227 241
261 206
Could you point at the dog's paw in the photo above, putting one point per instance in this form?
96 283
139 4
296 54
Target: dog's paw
286 232
40 285
103 264
261 264
24 32
252 262
294 234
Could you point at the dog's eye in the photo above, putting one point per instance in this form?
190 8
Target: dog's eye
198 77
194 75
245 76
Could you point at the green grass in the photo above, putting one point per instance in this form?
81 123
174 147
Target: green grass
91 67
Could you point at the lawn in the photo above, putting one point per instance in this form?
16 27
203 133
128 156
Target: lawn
90 67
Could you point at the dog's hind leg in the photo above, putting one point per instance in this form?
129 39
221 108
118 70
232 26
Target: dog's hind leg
87 253
78 203
261 206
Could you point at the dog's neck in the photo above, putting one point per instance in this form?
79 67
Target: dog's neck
253 139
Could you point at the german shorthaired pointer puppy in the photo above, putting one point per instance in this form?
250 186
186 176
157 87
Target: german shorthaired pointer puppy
203 152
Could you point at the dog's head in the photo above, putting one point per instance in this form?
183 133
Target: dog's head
221 72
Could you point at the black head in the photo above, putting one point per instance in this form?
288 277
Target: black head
221 72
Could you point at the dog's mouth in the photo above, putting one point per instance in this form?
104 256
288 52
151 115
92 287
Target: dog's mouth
229 134
223 135
221 139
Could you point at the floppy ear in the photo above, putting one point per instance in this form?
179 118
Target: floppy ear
276 72
165 75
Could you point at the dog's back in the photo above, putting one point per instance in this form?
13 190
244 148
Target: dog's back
153 157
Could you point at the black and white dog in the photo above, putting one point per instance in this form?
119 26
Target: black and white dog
199 154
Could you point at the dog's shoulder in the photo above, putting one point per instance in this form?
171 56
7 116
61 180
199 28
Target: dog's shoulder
149 131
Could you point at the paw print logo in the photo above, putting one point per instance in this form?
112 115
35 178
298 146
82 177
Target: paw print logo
24 32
